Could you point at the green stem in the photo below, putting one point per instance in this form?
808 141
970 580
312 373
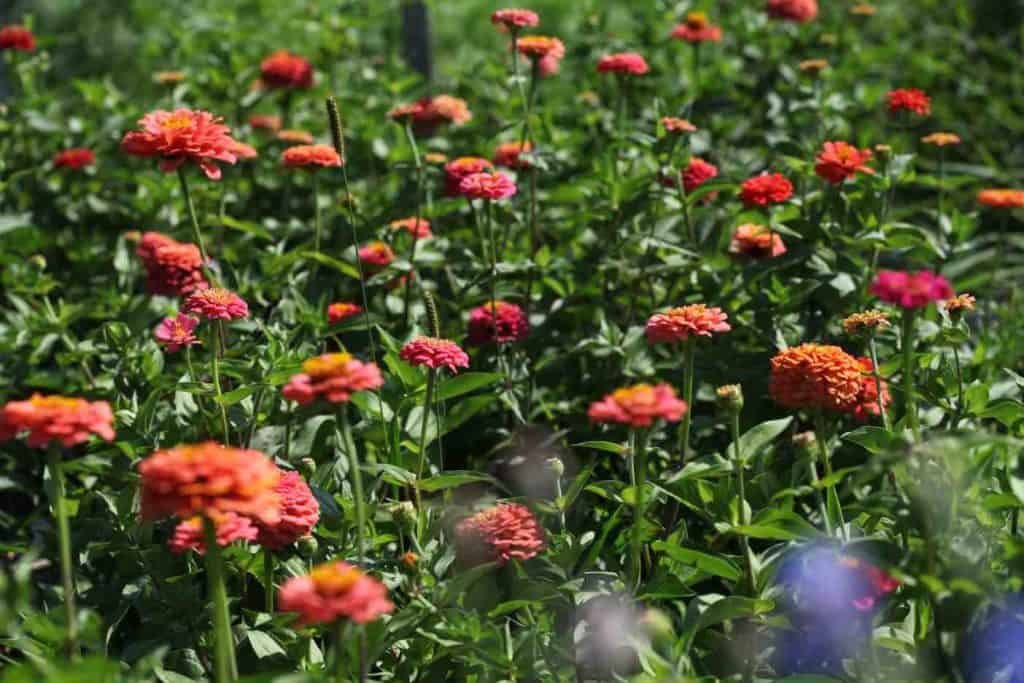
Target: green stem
909 399
638 461
215 346
826 460
317 218
357 482
197 233
428 402
959 388
64 541
268 580
877 375
494 252
224 647
411 137
339 649
741 484
689 353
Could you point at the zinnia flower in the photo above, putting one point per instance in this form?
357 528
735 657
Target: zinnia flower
697 29
190 534
639 406
180 136
540 47
311 155
624 63
492 186
910 290
282 69
813 66
429 113
508 154
50 419
756 242
216 304
417 227
333 591
172 268
298 512
679 324
766 189
207 479
169 77
514 19
457 169
941 139
839 161
176 332
507 531
244 151
815 377
499 322
909 99
377 255
800 11
17 38
435 353
696 173
863 10
548 66
341 310
866 323
268 122
867 399
76 158
333 377
297 137
676 125
959 304
1001 198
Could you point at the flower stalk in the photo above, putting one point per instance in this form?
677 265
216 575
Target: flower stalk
909 398
689 358
225 667
60 513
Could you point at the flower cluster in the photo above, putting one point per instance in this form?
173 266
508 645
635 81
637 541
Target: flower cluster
457 169
181 136
681 323
172 268
544 52
497 322
756 242
56 420
911 290
639 406
333 591
435 353
284 70
332 377
508 531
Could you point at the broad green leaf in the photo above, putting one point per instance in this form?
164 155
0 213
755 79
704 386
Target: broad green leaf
711 564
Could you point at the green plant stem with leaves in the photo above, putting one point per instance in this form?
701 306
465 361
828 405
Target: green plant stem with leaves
740 465
60 513
689 357
909 398
821 437
428 406
420 184
357 480
197 233
268 580
876 375
216 349
317 216
638 471
225 667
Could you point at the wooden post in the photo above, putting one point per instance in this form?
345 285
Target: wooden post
416 43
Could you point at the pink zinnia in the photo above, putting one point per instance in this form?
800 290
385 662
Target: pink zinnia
623 63
191 535
766 189
333 591
176 332
514 19
457 169
679 324
491 186
180 136
435 353
172 268
508 531
216 304
911 290
332 377
639 406
498 322
298 512
800 11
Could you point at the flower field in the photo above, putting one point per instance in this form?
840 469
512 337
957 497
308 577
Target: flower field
657 341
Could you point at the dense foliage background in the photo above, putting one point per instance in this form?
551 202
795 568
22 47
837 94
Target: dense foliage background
940 515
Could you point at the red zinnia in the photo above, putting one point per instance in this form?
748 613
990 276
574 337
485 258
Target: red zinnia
508 531
333 377
180 136
17 38
216 304
639 406
457 169
311 155
800 11
176 332
697 172
49 419
679 324
766 189
909 99
342 310
190 534
282 69
839 161
435 353
624 63
76 158
911 290
508 154
501 322
514 19
298 512
172 268
697 29
756 242
333 591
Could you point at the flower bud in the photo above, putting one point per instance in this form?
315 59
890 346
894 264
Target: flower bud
410 560
557 466
308 467
403 514
38 261
307 546
805 442
729 399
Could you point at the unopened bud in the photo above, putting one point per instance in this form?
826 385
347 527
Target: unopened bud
307 546
729 399
805 441
38 261
403 514
884 153
557 466
308 467
410 560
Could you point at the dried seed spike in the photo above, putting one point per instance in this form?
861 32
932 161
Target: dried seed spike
432 318
334 119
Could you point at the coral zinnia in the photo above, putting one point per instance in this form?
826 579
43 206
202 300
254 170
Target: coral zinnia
244 151
377 255
207 479
333 591
956 306
540 47
624 63
866 323
507 531
268 122
815 377
756 242
909 99
342 310
867 399
800 11
333 377
514 19
56 419
17 38
681 323
76 158
299 137
429 113
838 161
911 290
172 268
492 186
639 406
498 322
435 353
169 77
457 169
176 332
311 155
697 29
298 512
508 154
766 189
216 304
941 139
180 136
190 535
677 125
417 227
282 69
1002 198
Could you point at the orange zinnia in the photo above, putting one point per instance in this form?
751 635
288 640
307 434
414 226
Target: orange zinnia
815 377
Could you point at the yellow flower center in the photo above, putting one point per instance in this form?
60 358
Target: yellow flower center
176 122
49 402
326 365
636 394
697 19
331 578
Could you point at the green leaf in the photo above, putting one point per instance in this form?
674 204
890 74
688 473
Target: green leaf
732 607
465 383
606 446
451 480
760 436
710 564
874 440
340 266
263 644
